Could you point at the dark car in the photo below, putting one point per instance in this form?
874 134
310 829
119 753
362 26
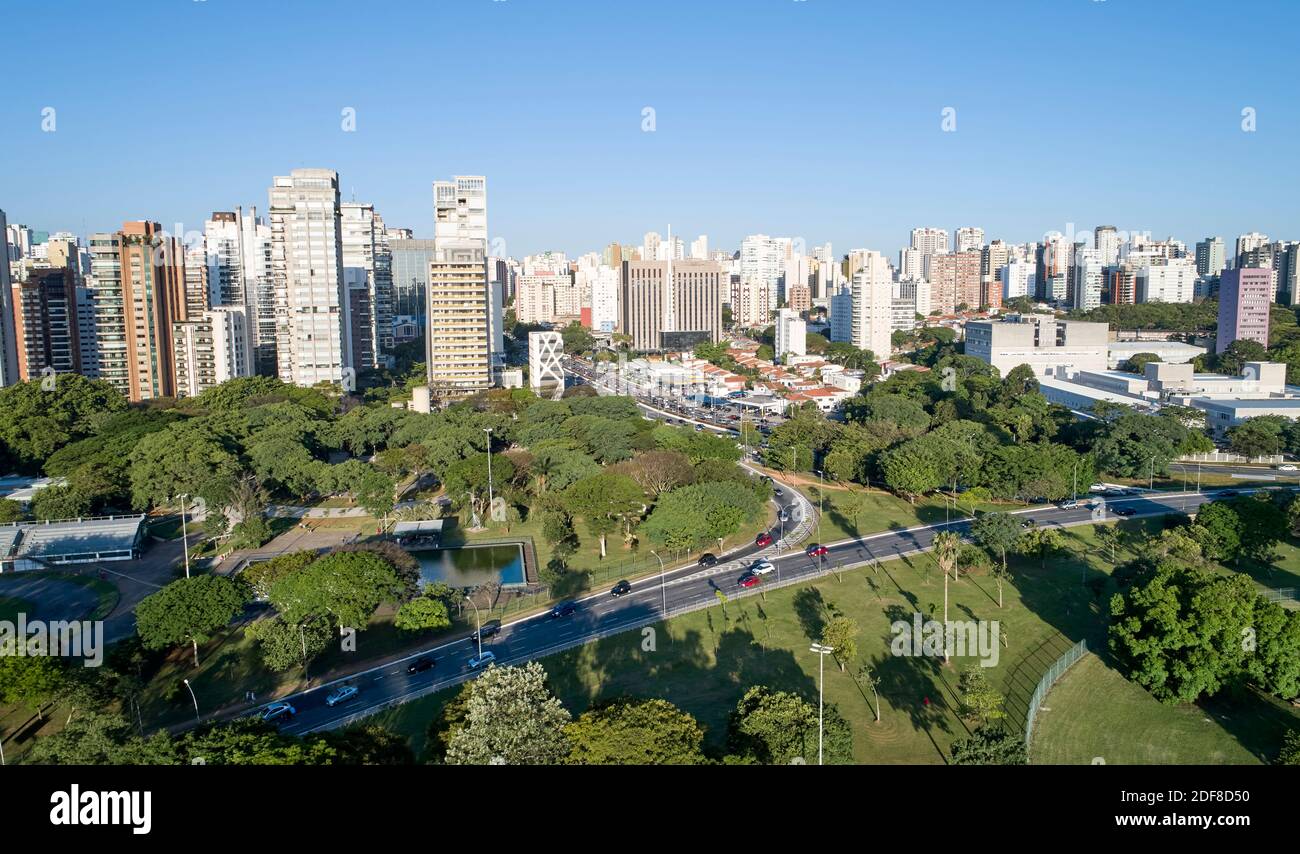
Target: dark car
420 665
489 629
707 559
564 609
763 539
621 589
1027 523
1124 511
1228 493
816 550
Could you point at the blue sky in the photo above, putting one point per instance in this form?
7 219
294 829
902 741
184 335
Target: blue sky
818 119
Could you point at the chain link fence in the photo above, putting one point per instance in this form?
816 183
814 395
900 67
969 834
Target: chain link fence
1056 671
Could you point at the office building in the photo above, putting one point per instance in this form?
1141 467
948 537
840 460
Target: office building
672 305
1040 341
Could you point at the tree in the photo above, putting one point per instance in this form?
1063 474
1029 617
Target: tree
29 680
284 645
980 702
701 513
607 501
263 575
998 533
947 546
656 471
423 614
990 745
841 634
511 719
11 511
632 732
185 458
1180 633
101 738
346 587
1290 752
249 741
189 610
779 728
866 675
1138 362
36 421
1042 542
1258 437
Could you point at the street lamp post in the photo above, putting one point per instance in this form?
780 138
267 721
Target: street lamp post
185 537
194 698
821 489
478 635
663 588
821 649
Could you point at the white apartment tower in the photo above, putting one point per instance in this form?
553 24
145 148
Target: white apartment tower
8 343
969 239
307 274
368 269
791 334
873 306
238 250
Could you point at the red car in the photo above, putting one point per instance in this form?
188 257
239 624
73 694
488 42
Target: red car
817 550
748 580
763 539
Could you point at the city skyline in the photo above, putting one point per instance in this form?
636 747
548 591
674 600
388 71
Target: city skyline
734 136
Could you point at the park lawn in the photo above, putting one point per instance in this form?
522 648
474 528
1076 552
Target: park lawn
1093 711
704 661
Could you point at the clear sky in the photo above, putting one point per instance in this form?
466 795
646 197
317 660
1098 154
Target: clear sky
819 119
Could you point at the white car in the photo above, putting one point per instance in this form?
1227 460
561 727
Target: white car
1286 467
762 567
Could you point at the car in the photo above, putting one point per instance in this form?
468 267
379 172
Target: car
707 559
778 492
816 550
480 661
621 589
566 608
1027 523
762 567
278 711
1286 467
420 665
1228 493
341 695
487 630
699 427
1068 504
748 580
763 539
1124 511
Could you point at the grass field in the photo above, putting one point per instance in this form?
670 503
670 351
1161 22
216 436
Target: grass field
704 662
12 606
1093 712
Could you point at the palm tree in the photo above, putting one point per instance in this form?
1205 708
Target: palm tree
947 545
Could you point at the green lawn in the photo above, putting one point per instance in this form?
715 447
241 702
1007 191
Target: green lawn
1094 712
12 606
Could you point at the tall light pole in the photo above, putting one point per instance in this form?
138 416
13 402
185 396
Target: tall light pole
185 537
194 698
478 635
488 431
821 649
821 489
663 588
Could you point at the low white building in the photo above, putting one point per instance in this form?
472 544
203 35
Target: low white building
1174 352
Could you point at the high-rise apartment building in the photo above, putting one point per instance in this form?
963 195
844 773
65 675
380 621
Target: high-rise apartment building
307 272
1087 277
8 350
1107 242
1018 280
1172 281
45 323
873 304
791 334
459 330
238 249
969 239
750 303
700 248
1054 257
930 241
211 349
368 272
763 262
1210 258
1247 243
955 280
